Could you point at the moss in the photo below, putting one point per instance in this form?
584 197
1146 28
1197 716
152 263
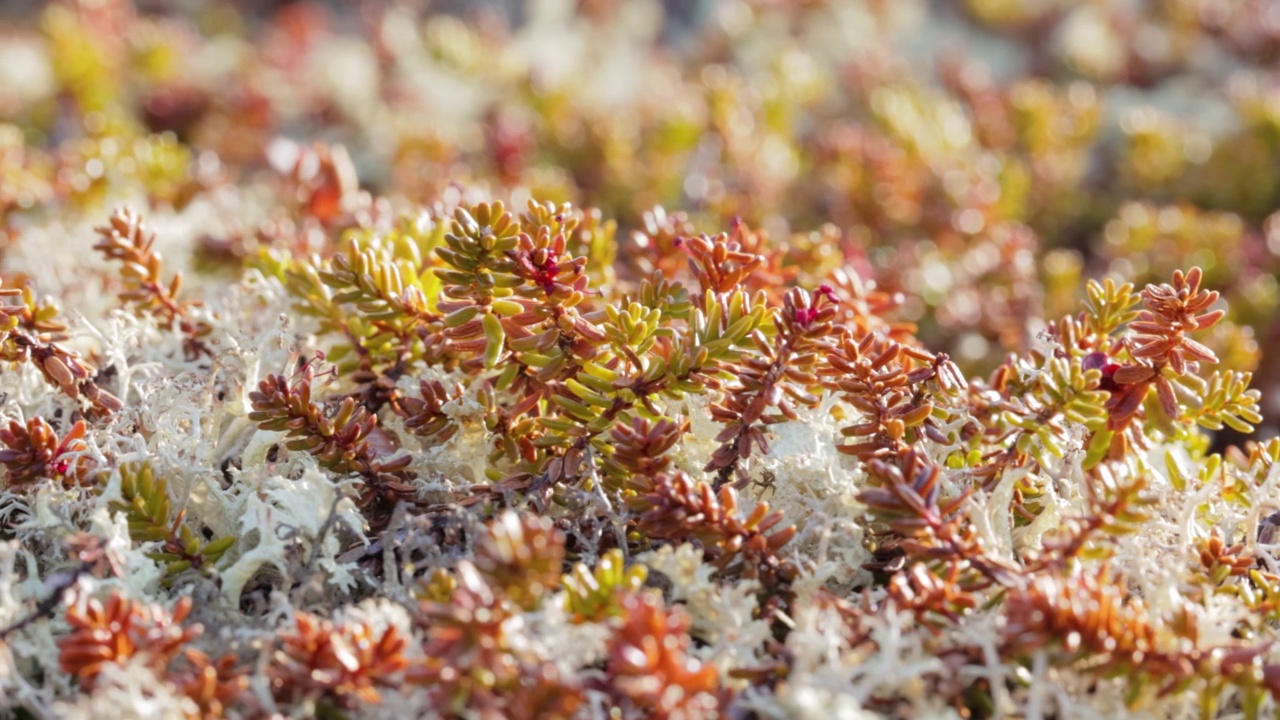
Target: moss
937 390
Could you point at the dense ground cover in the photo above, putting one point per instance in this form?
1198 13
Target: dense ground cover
636 359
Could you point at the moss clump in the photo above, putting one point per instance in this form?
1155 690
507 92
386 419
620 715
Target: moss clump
934 394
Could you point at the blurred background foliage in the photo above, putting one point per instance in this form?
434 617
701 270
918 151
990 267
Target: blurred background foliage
983 157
